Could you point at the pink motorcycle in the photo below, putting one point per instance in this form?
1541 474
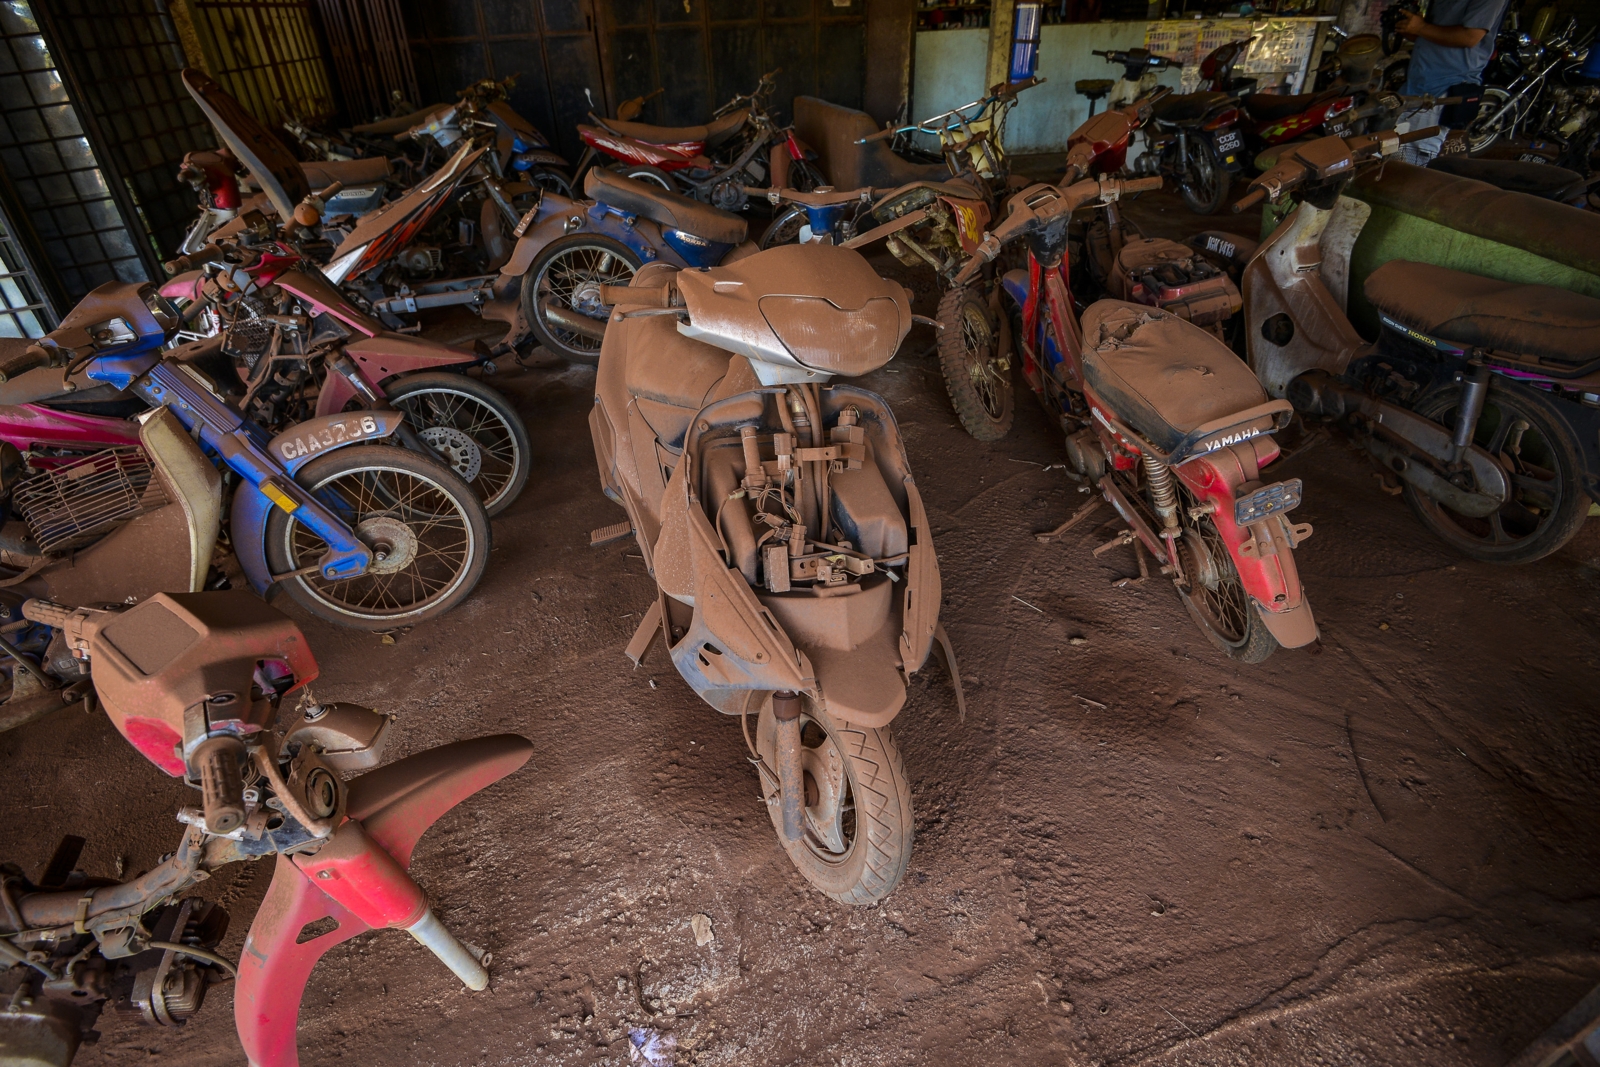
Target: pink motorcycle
194 682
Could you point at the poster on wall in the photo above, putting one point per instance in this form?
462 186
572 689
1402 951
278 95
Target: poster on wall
1277 59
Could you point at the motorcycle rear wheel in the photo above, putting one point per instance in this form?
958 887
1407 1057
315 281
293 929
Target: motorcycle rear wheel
567 276
970 355
1216 598
1204 181
433 527
1535 445
858 824
473 430
643 172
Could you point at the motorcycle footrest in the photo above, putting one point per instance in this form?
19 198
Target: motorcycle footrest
607 534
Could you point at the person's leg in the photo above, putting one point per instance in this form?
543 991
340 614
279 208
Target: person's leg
1421 153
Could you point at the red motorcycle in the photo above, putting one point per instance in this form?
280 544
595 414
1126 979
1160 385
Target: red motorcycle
1169 425
194 682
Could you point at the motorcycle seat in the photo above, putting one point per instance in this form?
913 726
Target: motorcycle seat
669 209
1264 107
832 132
1187 107
1550 324
392 127
323 173
1516 176
712 134
1163 376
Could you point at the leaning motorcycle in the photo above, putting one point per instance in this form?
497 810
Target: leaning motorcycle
1471 395
793 558
1167 423
194 682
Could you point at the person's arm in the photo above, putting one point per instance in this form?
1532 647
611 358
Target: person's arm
1414 25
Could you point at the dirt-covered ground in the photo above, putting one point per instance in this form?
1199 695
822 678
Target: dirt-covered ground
1133 851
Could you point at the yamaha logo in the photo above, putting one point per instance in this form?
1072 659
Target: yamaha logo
1231 439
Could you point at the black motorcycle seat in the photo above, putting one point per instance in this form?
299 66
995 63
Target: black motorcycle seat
1264 107
1187 107
669 209
1165 377
712 134
1554 325
1517 176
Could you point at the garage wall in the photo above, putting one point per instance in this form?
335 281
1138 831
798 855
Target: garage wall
550 45
701 53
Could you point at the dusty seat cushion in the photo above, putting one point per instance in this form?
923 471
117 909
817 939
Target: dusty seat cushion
831 131
711 134
1474 311
1187 107
1265 106
1517 176
1164 376
323 173
669 209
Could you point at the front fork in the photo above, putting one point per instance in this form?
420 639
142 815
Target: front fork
1474 389
223 430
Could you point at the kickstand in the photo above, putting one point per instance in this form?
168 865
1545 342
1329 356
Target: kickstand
1077 517
1126 537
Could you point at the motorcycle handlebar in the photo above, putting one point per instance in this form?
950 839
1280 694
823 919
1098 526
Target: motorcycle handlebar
1141 185
1420 135
1249 200
43 611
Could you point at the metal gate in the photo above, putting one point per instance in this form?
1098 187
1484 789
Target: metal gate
72 208
367 43
266 53
549 44
701 53
121 62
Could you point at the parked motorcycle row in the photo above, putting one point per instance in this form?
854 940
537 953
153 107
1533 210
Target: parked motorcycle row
274 401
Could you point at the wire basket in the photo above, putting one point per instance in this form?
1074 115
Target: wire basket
72 505
247 336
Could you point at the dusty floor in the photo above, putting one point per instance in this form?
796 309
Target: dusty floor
1132 852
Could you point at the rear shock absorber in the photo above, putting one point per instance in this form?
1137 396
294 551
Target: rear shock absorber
1165 498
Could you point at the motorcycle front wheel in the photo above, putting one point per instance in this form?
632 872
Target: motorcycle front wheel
858 827
784 228
643 172
1543 462
425 522
977 372
1497 117
1205 180
561 292
472 429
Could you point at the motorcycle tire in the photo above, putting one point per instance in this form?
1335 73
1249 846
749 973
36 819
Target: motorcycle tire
416 507
1205 181
1538 449
857 841
643 172
784 228
472 429
969 358
567 276
1495 120
550 180
1216 598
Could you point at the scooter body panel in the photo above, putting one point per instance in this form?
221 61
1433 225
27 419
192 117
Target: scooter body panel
388 355
393 806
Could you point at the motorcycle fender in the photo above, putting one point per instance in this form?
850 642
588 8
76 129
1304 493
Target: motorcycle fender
185 286
542 155
1015 285
1263 552
248 516
924 589
394 806
538 236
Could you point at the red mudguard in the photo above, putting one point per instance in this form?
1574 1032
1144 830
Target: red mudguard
394 806
1262 552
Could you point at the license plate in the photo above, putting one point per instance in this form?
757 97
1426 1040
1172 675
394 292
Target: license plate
1227 142
1268 500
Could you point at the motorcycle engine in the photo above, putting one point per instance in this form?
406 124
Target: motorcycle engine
729 195
420 259
1168 275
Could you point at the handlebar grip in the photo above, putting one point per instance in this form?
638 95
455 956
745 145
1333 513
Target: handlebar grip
22 362
1250 199
331 191
1420 135
221 787
53 615
1141 185
881 135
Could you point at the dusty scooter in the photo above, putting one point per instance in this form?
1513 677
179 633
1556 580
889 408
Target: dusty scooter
194 682
793 558
1169 425
1472 395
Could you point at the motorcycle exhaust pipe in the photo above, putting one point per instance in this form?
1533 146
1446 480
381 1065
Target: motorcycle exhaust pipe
791 779
578 323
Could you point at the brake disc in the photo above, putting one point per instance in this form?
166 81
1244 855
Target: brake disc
459 451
